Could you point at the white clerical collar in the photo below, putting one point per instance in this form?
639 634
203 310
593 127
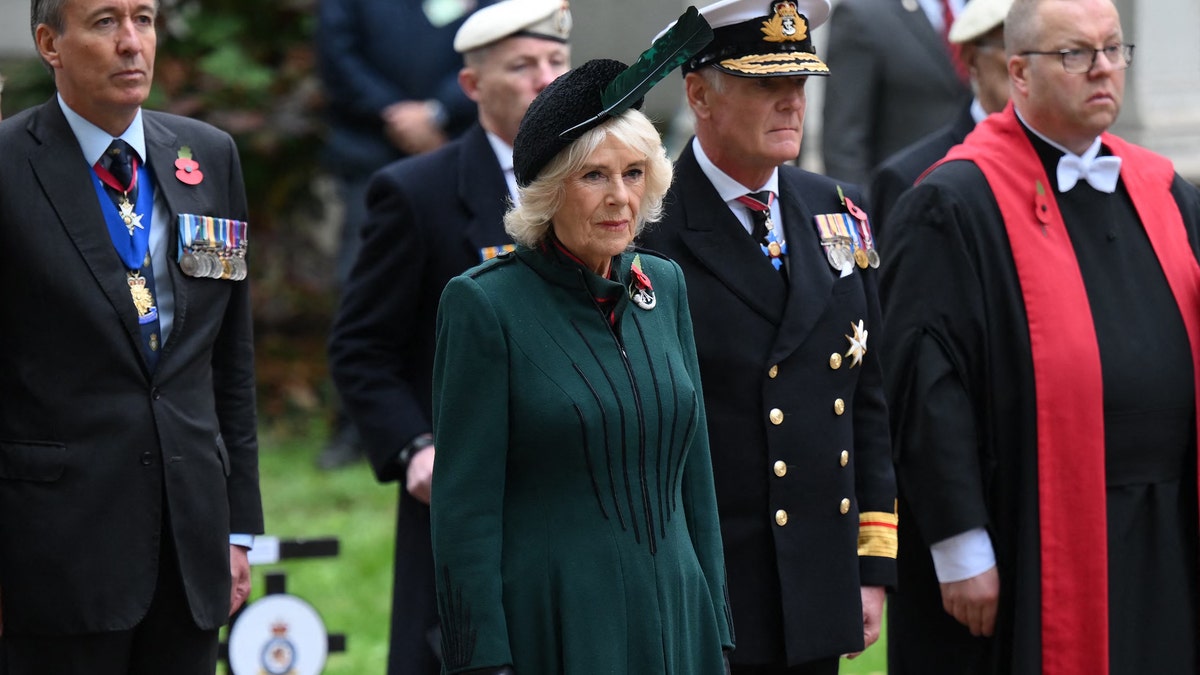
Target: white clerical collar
727 187
94 141
1087 156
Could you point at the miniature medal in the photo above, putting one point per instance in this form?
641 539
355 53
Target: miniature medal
143 300
132 220
188 263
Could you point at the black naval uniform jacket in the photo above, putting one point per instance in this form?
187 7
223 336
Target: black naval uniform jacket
429 218
799 434
98 452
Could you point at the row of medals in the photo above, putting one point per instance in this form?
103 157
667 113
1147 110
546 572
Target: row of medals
842 254
213 262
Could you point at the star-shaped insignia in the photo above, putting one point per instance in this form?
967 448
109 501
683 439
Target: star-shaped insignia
858 344
131 219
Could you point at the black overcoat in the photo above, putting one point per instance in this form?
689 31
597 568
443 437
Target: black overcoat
430 218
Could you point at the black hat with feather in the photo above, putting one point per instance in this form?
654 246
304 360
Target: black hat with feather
598 90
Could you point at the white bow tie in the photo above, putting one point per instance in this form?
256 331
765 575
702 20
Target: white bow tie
1101 172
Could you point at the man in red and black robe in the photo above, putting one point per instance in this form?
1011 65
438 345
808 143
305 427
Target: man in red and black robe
1043 322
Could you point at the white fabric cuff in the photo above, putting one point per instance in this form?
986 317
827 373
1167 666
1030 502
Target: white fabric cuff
246 541
963 556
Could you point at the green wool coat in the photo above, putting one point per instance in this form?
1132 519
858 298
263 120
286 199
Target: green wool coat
574 520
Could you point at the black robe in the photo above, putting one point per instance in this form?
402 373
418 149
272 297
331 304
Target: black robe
963 409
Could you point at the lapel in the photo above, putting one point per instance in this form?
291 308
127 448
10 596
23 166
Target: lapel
809 274
64 177
162 148
924 38
482 191
713 234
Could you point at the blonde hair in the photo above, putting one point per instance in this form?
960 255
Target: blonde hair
529 223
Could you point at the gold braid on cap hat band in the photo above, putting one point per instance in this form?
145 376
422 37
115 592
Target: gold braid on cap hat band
775 64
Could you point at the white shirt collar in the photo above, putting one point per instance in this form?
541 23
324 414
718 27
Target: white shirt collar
94 141
727 187
503 151
933 12
504 155
977 112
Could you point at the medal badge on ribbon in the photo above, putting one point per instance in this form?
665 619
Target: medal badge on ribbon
212 248
488 252
862 226
835 239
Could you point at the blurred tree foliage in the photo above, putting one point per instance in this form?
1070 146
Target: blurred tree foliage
248 67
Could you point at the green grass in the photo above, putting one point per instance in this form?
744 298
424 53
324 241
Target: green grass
353 591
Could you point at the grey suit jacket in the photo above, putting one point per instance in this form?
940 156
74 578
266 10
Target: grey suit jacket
891 83
100 457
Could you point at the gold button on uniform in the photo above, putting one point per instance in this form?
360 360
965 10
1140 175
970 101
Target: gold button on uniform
835 360
839 406
773 372
781 517
844 507
776 416
780 469
844 459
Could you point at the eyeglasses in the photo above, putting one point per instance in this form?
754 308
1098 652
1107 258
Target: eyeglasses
1080 61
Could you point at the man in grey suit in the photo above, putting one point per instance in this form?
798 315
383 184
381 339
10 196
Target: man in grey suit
895 82
128 452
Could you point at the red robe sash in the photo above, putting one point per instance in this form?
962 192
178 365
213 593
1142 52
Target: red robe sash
1067 375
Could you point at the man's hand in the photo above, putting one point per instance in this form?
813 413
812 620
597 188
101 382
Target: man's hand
973 601
419 480
410 126
239 571
872 605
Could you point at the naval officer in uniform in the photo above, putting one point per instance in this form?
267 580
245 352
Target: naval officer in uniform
778 263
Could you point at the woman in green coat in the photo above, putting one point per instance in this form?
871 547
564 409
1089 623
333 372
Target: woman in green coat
575 527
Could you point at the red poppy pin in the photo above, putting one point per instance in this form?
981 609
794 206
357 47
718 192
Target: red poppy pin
188 169
856 211
642 292
1041 207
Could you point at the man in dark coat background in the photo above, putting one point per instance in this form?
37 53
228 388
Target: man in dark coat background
979 32
896 82
128 448
782 314
431 218
389 75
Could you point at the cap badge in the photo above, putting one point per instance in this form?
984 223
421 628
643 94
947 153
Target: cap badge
564 20
786 25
